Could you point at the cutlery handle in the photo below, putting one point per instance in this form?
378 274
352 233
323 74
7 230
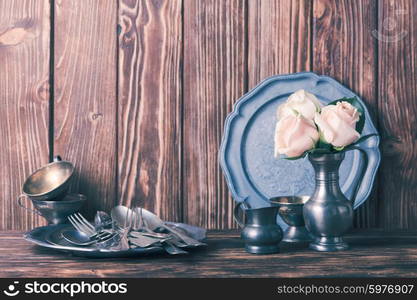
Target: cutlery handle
172 249
28 209
186 239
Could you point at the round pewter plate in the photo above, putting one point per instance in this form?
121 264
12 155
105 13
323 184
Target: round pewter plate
247 157
51 237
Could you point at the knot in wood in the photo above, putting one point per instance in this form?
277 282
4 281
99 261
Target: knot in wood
95 116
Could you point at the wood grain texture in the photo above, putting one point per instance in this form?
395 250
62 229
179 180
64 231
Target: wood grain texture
279 38
344 48
150 63
214 78
397 90
24 103
85 96
141 111
373 254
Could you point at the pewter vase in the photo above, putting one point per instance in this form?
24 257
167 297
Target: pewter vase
328 214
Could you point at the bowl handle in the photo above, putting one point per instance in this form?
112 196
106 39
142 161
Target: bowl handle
57 158
363 172
28 209
238 220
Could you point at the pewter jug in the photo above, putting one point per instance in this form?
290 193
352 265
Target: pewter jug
328 214
261 232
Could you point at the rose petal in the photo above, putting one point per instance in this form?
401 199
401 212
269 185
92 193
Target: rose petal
302 102
346 135
347 112
325 129
294 135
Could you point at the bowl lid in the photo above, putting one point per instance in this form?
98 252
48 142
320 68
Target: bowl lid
48 178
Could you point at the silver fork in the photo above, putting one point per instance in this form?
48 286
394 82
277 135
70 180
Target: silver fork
81 224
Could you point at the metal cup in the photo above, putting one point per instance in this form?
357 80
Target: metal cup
261 232
291 211
51 182
55 212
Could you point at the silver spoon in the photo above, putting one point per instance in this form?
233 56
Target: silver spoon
122 216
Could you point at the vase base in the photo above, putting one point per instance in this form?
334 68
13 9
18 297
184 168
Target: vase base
327 244
262 249
296 234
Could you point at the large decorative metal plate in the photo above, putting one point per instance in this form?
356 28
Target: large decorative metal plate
51 237
247 148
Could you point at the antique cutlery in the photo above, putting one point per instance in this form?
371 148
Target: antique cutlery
154 222
85 233
81 224
130 228
79 238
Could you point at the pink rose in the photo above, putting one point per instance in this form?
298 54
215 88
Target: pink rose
302 102
337 123
294 134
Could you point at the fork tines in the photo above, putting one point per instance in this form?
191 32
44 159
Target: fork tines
81 224
102 236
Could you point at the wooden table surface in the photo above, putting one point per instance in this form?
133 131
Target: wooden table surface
373 253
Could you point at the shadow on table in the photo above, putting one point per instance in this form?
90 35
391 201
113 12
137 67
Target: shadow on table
58 254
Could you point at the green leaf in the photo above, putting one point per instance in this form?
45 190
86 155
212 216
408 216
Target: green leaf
321 144
295 158
360 140
354 102
338 148
363 138
319 151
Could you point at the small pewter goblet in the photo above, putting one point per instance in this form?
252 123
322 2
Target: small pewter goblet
291 211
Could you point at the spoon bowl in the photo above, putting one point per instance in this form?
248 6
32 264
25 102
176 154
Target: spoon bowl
76 237
123 216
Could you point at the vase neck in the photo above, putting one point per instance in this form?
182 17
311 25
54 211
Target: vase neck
326 167
262 216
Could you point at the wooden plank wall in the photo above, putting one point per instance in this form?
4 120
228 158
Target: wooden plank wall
142 88
397 111
344 48
150 106
24 102
214 77
85 96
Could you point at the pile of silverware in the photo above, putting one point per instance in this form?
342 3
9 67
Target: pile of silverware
127 228
126 231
